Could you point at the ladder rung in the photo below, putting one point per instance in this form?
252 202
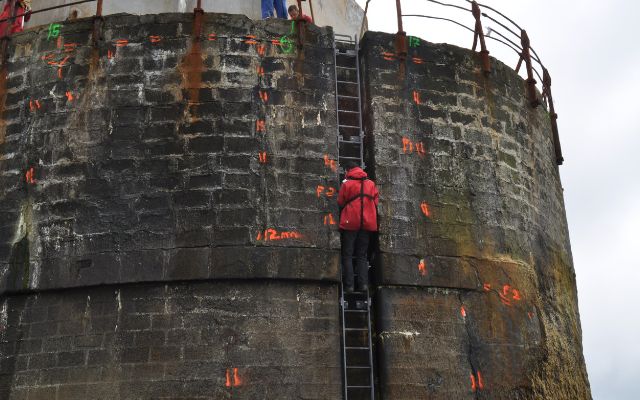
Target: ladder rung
349 68
355 329
353 83
349 158
346 310
347 97
358 367
350 112
356 348
358 387
348 126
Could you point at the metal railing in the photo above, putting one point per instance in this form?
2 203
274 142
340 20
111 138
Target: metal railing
5 36
526 53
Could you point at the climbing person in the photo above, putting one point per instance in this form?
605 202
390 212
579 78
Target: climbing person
16 25
294 13
358 201
269 5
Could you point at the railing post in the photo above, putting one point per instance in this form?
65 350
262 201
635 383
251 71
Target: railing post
97 23
7 28
401 36
479 34
546 84
526 56
198 17
301 24
313 17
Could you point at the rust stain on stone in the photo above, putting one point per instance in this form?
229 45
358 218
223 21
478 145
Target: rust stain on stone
192 65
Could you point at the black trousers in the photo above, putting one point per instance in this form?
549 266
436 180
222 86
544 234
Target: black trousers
354 244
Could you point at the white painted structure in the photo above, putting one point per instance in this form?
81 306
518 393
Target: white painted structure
345 16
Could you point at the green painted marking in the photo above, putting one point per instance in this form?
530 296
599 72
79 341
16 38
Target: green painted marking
414 41
286 45
54 31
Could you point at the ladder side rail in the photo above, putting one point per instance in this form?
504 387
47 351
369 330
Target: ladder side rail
373 395
361 133
342 304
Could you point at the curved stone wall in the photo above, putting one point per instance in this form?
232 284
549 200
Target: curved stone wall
477 291
164 154
155 157
166 228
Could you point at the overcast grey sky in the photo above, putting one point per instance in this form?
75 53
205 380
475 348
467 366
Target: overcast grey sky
592 51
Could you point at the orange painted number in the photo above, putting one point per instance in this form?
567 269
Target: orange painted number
422 267
425 209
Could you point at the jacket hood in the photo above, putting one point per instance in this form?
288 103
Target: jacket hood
356 173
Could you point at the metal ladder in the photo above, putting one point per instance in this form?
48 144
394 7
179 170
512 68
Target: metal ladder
348 101
357 355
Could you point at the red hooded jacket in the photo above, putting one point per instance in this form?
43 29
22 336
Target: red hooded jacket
17 25
358 198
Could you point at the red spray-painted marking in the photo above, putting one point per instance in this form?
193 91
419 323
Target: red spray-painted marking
236 378
516 294
416 97
463 312
109 54
389 56
121 42
328 219
228 379
250 39
408 146
274 235
417 60
422 267
34 105
155 39
261 50
262 157
232 380
330 163
69 96
29 176
425 209
328 191
264 96
261 126
70 47
480 382
212 37
260 71
487 287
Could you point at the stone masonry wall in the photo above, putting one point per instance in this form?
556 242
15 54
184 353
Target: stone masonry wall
154 156
222 340
477 295
168 219
161 231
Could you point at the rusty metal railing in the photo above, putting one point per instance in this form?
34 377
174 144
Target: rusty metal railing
5 36
527 56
